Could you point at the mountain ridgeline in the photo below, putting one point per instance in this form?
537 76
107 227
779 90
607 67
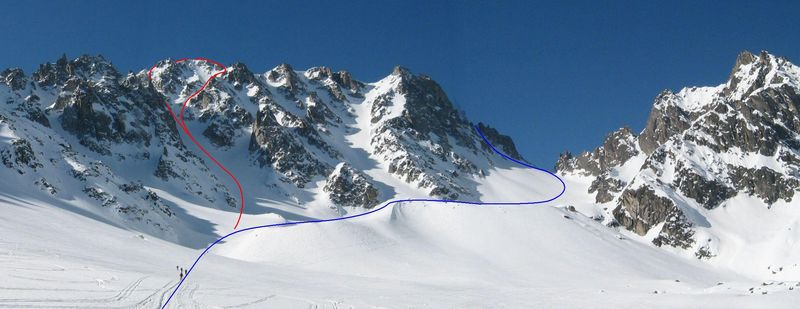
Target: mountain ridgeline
84 133
715 169
706 158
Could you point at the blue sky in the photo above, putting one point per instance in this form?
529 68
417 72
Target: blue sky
554 75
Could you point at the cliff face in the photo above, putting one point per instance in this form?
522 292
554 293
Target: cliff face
702 149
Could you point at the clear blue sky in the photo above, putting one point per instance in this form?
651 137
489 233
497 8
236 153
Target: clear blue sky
554 75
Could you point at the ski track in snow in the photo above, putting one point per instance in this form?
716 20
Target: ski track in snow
179 119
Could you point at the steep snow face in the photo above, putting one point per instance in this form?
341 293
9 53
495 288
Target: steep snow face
696 99
713 175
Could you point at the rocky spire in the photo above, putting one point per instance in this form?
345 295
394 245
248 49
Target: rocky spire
285 75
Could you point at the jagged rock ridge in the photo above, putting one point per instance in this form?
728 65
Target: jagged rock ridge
700 149
296 135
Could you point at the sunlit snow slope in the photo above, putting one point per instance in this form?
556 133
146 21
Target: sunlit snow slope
428 256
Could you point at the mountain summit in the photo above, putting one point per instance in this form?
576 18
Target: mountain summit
316 138
713 171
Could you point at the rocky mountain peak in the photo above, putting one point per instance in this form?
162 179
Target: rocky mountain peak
400 71
14 78
751 73
319 73
673 113
344 79
416 128
335 83
239 75
744 57
702 148
291 131
285 76
618 147
96 68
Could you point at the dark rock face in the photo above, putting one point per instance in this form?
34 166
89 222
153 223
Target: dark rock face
318 112
336 84
30 107
501 142
344 79
676 232
218 135
765 183
13 78
428 132
429 112
19 156
272 145
286 76
81 119
240 76
95 103
761 123
166 170
223 117
707 144
605 187
640 209
347 187
586 163
663 123
751 65
709 193
84 67
618 147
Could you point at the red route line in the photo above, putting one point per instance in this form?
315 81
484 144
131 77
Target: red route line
182 124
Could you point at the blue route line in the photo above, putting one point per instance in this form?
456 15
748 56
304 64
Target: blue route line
563 189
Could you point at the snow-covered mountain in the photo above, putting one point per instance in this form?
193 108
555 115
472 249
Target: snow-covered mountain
104 198
713 174
316 138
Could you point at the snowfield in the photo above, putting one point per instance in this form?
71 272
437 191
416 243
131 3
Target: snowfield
411 255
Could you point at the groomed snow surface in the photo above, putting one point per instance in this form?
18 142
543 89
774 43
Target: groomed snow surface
407 256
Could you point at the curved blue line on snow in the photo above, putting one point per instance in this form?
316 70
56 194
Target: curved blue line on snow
563 189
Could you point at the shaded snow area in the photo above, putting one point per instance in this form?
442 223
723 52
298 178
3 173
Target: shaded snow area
104 200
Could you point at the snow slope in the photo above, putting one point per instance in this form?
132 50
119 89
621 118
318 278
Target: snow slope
427 256
409 255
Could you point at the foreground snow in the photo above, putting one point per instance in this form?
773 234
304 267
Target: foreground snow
420 256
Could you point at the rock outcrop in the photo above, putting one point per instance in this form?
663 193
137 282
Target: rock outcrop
701 148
